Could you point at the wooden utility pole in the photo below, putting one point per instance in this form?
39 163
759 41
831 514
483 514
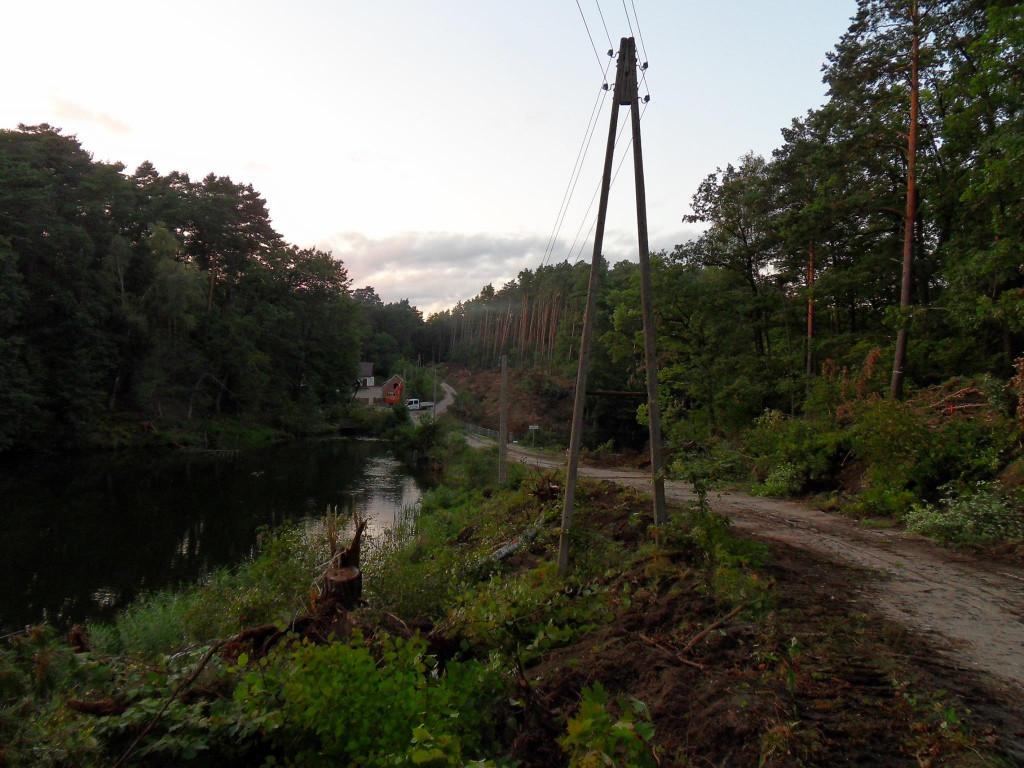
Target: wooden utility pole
646 301
576 435
503 423
625 94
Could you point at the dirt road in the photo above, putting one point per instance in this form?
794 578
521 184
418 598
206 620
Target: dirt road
440 407
972 608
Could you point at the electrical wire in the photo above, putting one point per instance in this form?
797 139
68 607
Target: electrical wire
639 32
607 34
630 23
611 184
593 197
592 45
577 170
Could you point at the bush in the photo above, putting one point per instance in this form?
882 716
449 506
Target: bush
595 738
977 516
348 704
791 453
260 591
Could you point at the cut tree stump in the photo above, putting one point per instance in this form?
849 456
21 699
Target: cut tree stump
343 586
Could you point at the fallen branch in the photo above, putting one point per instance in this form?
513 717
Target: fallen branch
701 635
181 686
668 649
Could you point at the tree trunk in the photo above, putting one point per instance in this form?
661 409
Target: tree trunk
900 358
810 317
343 580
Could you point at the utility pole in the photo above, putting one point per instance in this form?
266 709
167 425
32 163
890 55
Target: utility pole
503 423
625 94
650 353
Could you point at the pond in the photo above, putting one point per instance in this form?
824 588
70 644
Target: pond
81 538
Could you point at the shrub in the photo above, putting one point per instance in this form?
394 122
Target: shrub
977 516
350 704
792 453
889 437
594 738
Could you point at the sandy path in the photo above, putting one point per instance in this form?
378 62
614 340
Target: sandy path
440 407
972 607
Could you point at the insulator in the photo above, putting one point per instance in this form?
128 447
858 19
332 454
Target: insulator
611 52
643 66
647 98
605 86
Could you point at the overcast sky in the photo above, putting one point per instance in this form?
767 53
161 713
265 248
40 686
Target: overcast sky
427 144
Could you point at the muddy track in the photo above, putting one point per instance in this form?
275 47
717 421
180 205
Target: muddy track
971 608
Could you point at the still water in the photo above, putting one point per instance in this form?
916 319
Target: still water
81 538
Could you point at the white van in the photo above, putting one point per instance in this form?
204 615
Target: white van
412 404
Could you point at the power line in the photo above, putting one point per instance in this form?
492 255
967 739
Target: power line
592 199
622 159
577 170
637 19
587 27
607 34
630 23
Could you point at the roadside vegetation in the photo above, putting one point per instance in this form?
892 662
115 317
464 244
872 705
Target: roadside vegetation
677 646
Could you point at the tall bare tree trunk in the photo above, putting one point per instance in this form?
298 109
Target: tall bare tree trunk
900 359
810 317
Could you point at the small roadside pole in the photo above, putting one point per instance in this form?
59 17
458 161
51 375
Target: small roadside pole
533 435
625 94
503 423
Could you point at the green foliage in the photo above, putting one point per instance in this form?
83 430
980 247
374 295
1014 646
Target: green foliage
974 515
792 453
36 674
594 739
532 611
156 295
381 705
889 438
730 563
270 588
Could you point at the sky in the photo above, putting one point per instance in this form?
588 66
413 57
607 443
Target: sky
429 145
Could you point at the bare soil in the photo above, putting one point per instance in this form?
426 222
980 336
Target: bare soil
825 681
972 607
534 398
889 619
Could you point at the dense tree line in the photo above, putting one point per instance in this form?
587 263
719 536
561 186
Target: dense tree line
160 296
800 264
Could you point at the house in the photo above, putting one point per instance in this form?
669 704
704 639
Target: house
365 374
388 393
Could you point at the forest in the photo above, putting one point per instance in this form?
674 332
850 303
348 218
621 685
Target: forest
149 296
789 303
888 217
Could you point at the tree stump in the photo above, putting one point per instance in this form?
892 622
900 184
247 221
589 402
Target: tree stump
343 586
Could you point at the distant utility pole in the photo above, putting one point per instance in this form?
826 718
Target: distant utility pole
625 94
503 423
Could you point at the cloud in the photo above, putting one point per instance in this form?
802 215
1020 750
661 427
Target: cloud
435 270
70 111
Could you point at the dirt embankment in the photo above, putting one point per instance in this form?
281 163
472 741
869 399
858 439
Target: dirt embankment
534 398
974 608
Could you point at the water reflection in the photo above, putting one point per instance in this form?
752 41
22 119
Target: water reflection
82 538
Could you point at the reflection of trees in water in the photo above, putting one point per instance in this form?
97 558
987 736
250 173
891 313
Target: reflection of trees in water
86 536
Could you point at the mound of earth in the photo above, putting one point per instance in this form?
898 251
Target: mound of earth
535 398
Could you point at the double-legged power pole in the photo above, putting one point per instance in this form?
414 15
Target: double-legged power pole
625 94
